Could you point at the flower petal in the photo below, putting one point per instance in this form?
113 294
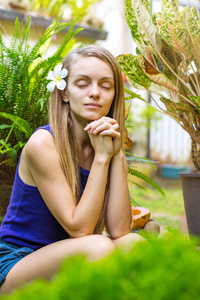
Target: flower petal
51 86
57 70
63 73
51 76
61 84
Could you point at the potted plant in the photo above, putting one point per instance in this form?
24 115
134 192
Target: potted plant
167 63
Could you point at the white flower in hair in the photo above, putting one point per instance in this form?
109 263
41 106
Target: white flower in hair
56 76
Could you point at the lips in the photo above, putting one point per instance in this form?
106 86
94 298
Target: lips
93 105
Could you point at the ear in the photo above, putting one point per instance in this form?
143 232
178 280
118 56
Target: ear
65 96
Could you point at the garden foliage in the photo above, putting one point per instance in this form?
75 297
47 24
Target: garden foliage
164 269
23 93
167 62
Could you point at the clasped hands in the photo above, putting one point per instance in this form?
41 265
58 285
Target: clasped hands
104 136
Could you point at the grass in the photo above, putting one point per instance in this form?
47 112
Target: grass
167 211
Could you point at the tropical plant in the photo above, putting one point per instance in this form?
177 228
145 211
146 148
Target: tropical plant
23 94
167 62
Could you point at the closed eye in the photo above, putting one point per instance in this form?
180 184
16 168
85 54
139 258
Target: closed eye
107 87
82 83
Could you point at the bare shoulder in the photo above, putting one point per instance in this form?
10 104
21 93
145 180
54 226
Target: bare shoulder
40 152
40 141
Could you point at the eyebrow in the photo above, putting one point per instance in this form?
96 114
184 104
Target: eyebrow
88 77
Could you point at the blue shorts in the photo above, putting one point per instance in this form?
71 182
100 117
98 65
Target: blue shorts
9 256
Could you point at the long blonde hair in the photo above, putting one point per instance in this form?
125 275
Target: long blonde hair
62 126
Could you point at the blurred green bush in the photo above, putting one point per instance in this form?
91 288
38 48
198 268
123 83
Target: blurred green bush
164 269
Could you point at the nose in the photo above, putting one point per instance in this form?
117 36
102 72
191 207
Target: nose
94 92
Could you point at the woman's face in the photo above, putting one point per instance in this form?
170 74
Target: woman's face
90 89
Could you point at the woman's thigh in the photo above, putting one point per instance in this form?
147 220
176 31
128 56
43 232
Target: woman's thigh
45 262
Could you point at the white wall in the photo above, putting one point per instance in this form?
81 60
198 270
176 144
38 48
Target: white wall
111 12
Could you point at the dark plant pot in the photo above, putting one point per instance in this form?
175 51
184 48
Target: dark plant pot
5 192
191 194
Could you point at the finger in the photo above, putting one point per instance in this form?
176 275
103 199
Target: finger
93 125
105 126
115 126
87 127
111 132
102 127
110 120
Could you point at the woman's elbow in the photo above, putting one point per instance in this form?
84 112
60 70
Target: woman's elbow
117 233
79 232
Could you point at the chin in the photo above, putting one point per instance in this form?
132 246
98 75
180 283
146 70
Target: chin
94 117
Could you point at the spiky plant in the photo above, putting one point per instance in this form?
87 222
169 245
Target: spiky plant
23 93
167 62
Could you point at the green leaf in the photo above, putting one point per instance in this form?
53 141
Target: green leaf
22 124
4 126
137 158
133 202
149 40
132 22
134 68
196 101
190 20
169 9
133 95
144 177
130 65
155 75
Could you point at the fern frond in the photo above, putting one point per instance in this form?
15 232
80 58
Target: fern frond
138 185
147 179
21 123
133 202
137 158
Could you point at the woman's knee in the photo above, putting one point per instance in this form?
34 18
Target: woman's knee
101 246
129 240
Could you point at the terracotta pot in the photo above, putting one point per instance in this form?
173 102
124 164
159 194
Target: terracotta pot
5 192
191 194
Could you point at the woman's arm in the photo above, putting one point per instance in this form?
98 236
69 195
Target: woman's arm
43 164
119 214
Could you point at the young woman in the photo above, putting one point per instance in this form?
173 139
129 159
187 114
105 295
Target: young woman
71 179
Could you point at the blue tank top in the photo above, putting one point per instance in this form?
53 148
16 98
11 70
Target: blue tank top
28 221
